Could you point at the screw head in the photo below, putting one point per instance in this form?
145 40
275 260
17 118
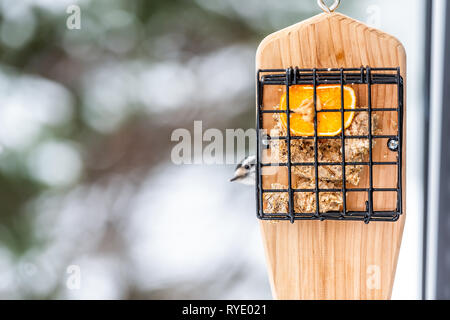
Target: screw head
393 144
265 139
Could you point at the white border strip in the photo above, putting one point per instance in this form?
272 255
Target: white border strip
436 102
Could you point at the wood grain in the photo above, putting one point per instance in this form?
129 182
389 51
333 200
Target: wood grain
334 259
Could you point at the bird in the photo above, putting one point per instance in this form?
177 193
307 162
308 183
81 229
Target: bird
245 171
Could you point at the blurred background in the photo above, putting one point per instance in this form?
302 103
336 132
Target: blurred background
86 117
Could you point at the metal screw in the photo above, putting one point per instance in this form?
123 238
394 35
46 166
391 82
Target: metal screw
266 141
393 144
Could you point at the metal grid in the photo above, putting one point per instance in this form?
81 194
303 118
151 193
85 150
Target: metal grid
315 77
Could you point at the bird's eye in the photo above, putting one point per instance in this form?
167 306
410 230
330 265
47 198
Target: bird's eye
247 167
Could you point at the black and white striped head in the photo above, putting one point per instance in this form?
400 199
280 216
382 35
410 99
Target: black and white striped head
245 171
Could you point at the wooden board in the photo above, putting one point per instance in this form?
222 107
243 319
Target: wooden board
336 259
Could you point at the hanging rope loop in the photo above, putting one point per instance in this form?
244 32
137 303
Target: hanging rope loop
328 9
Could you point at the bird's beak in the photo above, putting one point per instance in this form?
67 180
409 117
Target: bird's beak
235 178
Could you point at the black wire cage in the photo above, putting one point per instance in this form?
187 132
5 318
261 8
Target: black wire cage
366 77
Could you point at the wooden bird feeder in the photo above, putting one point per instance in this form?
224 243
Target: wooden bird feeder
331 202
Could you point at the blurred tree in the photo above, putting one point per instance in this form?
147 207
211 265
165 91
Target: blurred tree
101 102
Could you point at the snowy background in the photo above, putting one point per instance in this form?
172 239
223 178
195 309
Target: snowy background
86 117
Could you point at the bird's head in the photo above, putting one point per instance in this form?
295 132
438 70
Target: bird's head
245 171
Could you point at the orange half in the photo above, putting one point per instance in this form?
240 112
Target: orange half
328 97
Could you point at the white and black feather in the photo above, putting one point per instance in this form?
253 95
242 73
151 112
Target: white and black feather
245 171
